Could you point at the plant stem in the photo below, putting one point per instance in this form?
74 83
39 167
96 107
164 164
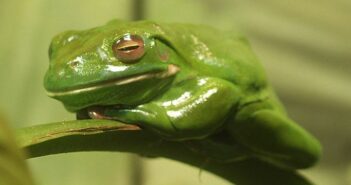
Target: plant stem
103 135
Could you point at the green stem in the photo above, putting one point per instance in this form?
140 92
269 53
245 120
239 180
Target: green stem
103 135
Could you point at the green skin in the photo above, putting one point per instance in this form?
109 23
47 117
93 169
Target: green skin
193 84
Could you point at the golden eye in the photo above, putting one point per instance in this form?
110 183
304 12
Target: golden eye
129 48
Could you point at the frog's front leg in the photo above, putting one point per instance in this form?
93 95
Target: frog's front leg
192 109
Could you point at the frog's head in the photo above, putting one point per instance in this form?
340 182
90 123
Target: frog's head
120 63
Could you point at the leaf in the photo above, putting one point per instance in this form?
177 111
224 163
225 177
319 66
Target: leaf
105 135
13 169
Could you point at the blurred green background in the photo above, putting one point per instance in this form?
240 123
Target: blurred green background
304 45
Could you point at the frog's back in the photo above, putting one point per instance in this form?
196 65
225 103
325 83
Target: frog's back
225 55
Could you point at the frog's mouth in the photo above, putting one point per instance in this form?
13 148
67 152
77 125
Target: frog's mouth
171 70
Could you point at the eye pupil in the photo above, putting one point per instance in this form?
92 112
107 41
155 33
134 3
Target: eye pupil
129 48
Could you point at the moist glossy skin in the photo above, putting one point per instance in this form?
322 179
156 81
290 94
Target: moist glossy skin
190 83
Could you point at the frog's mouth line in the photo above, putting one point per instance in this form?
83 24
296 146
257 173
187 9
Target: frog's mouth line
171 70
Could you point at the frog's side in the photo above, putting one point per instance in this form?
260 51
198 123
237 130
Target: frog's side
183 82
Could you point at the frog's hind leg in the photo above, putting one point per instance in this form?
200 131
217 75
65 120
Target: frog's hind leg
275 138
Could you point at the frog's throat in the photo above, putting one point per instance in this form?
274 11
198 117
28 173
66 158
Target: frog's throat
171 70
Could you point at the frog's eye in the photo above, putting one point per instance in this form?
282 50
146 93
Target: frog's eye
129 48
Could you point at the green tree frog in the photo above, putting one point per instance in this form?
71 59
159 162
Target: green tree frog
182 82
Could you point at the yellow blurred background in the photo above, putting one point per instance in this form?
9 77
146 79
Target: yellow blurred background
304 45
